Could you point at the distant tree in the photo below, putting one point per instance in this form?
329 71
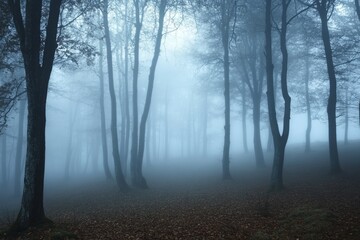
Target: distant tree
357 8
134 163
250 60
228 11
138 179
120 179
3 161
38 63
102 115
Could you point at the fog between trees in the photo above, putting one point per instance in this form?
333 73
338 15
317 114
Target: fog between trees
129 88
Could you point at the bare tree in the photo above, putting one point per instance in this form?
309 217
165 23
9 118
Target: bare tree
279 139
38 63
120 179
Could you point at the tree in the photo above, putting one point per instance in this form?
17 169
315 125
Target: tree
139 16
102 116
138 179
323 7
228 8
38 63
120 179
279 139
357 8
251 63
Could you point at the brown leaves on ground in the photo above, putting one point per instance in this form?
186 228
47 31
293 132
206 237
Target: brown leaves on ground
326 210
312 206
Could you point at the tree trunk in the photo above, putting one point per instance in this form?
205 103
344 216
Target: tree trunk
126 90
225 28
277 170
122 109
134 142
114 134
3 160
243 116
104 144
166 125
308 106
149 132
259 156
357 8
32 210
331 107
270 143
19 148
205 124
280 140
139 179
37 81
346 140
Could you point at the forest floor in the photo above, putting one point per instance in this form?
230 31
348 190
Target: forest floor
186 202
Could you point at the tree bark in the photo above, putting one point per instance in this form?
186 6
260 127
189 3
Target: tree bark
331 107
120 180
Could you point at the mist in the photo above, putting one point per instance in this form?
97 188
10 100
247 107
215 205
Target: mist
170 119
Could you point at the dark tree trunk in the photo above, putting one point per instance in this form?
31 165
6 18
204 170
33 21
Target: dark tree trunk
357 8
37 81
122 100
270 142
276 180
134 141
3 160
280 140
69 153
256 96
139 179
308 106
331 107
19 148
104 144
126 90
255 86
346 140
243 116
205 123
225 29
259 155
154 133
148 134
166 125
114 134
